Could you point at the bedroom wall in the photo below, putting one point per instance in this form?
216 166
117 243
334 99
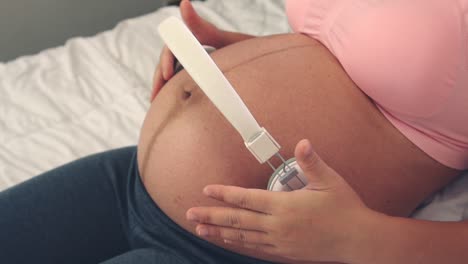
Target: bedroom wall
29 26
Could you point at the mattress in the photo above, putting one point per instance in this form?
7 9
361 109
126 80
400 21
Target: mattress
91 95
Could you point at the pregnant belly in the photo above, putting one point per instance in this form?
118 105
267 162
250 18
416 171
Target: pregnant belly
296 89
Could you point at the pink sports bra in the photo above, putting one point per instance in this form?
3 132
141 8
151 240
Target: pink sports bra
409 56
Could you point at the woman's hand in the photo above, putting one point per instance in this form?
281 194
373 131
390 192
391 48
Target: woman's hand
205 32
320 222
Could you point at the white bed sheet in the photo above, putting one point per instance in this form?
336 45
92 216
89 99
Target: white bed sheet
91 95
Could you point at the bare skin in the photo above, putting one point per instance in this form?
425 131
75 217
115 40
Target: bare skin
186 144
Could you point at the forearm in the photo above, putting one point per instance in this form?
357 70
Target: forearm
400 240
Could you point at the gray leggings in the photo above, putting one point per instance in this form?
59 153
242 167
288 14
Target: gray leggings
96 210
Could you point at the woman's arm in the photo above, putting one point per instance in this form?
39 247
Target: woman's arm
401 240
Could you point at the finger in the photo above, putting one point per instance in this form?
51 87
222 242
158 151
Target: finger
252 199
229 217
167 63
233 234
314 168
266 248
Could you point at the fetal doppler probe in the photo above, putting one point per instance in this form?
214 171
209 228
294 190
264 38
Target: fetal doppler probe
203 70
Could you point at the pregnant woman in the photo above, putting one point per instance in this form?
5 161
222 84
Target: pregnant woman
366 114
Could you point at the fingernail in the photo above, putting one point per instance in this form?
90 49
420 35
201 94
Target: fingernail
307 148
192 217
202 231
227 241
207 191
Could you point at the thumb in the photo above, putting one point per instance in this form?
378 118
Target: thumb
204 31
317 172
189 15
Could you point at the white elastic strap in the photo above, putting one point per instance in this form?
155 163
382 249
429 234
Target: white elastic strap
203 70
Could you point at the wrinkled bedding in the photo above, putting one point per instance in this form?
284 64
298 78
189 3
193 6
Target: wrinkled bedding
91 95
